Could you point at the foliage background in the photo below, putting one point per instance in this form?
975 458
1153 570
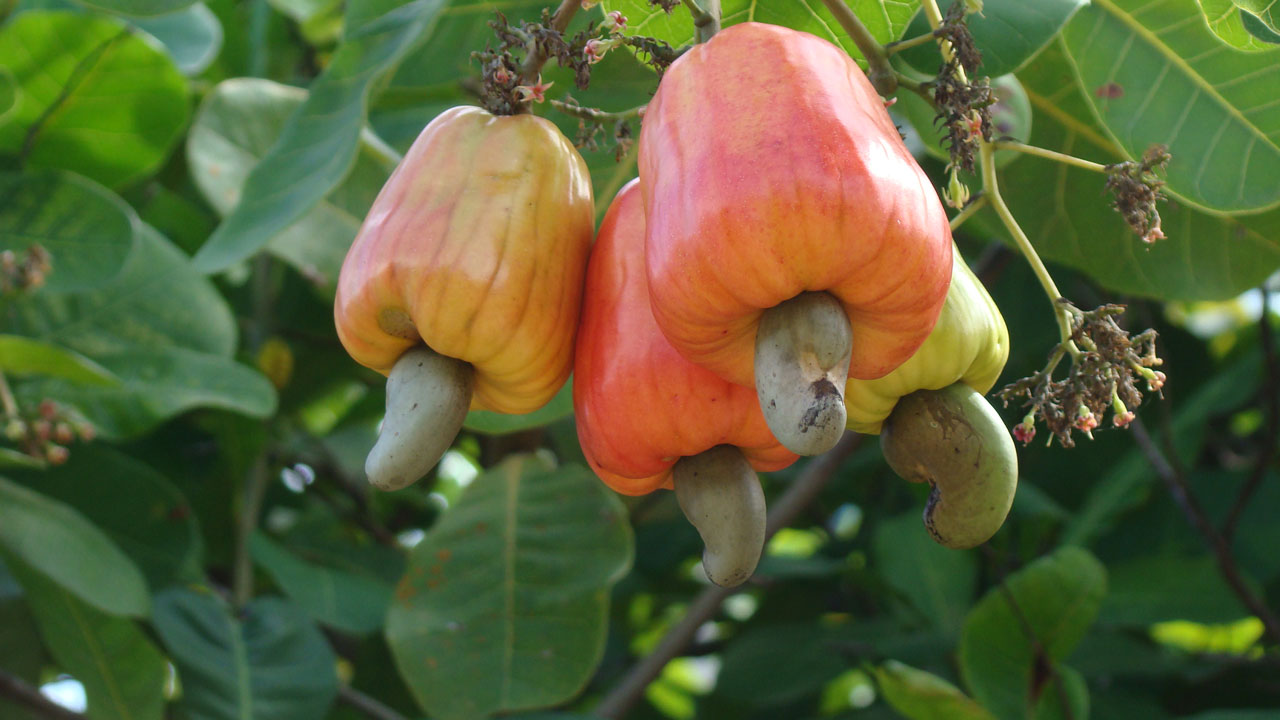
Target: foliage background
197 170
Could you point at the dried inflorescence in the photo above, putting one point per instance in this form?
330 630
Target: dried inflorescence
504 90
1106 366
24 272
1137 189
45 432
963 104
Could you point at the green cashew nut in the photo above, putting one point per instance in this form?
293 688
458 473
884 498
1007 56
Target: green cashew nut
720 494
954 440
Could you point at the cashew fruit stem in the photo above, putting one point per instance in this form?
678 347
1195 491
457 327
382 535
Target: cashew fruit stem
954 440
428 396
803 349
720 494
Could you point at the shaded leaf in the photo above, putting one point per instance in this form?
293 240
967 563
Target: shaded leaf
1008 32
104 101
268 662
772 665
356 603
87 229
192 35
1057 598
504 604
21 356
58 542
137 507
937 581
1155 74
493 423
122 672
236 125
920 695
1227 22
1152 588
318 145
142 8
1066 213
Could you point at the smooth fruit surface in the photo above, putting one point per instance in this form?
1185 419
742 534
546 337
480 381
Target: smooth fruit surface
476 246
770 167
639 405
970 344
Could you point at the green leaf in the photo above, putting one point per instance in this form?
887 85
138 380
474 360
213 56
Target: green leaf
236 125
1066 213
267 662
1263 29
1155 74
937 581
1057 599
11 458
886 19
492 423
1266 11
8 93
355 603
122 672
1008 32
919 695
504 605
772 665
60 543
1152 588
21 356
1227 22
159 383
20 646
139 8
137 507
94 97
192 35
87 229
318 146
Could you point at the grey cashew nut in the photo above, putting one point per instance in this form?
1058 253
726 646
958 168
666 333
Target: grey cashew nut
954 440
720 494
428 396
803 349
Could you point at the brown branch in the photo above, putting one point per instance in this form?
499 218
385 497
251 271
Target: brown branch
1199 519
619 701
15 689
532 66
1271 428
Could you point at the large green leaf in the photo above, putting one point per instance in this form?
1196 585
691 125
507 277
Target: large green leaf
1065 212
143 8
21 356
1057 598
122 672
137 507
354 602
94 97
504 604
1266 12
937 581
886 19
192 35
55 540
1227 22
20 646
1152 588
919 695
87 230
236 125
492 423
266 662
1155 74
772 665
1008 32
318 146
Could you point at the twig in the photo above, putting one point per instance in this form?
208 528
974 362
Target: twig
255 487
368 705
1271 428
1049 155
898 46
532 66
978 202
594 115
810 482
706 21
1199 519
14 688
7 401
881 74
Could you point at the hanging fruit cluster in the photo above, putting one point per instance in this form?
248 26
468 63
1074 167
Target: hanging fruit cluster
781 270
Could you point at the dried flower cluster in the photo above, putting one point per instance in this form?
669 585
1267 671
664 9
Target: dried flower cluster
1105 370
45 433
1137 189
24 272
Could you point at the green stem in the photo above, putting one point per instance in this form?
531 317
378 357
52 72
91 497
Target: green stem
969 211
594 115
1050 155
259 18
881 75
706 21
934 15
900 45
255 488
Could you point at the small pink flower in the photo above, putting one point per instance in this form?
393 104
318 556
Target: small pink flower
533 93
1156 381
614 21
595 49
1085 419
1123 419
1025 431
502 76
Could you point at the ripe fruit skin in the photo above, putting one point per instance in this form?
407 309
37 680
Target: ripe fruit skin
770 167
970 344
476 246
640 406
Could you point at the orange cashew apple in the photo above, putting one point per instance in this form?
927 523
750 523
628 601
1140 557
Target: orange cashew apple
649 419
464 283
792 240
